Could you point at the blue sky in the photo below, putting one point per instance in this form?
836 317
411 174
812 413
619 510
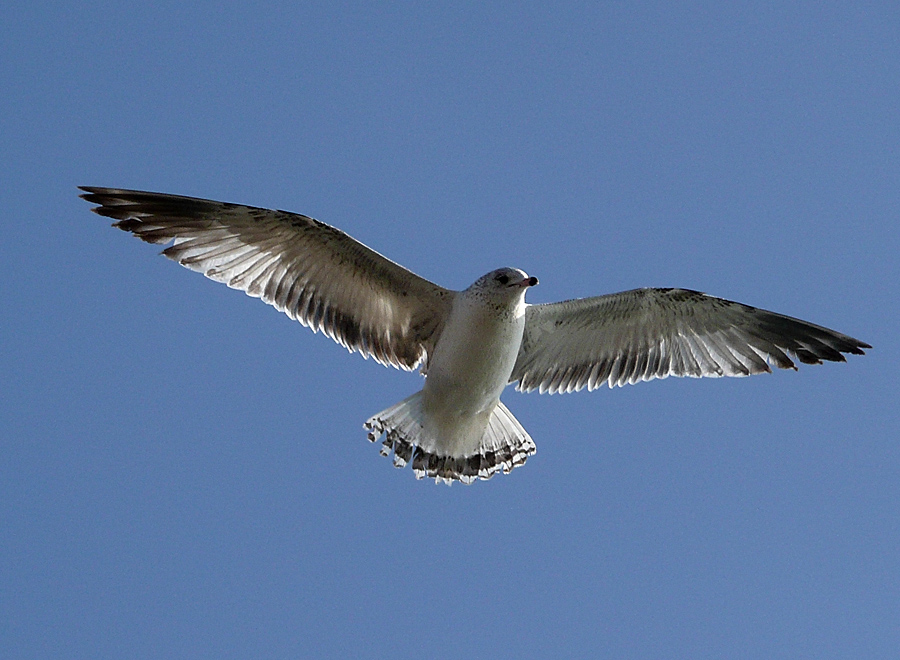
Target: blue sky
184 471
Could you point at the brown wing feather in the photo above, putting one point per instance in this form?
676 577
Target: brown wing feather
654 333
311 271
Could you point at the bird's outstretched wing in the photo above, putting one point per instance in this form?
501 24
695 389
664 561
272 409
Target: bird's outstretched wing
311 271
654 333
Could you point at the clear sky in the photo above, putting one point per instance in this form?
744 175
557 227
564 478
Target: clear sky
184 472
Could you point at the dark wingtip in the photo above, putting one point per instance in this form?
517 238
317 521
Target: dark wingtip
128 224
95 195
854 347
91 191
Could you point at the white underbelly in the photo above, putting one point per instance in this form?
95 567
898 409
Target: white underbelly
472 363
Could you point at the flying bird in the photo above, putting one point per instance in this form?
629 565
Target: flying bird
468 344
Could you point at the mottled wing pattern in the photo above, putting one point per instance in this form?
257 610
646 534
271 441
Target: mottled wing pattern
654 333
311 271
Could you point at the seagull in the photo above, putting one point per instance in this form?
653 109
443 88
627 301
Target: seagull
469 345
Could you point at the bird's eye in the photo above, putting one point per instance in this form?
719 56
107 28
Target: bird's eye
503 279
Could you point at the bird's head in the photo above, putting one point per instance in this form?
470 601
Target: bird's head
505 282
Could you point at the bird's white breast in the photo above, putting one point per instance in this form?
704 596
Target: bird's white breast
475 355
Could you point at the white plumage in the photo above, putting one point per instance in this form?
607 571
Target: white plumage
469 344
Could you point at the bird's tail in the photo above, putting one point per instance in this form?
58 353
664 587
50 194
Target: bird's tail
504 444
